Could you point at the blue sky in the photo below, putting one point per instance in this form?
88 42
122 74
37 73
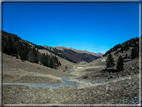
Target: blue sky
95 27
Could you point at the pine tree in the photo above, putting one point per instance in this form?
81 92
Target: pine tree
56 61
110 61
126 56
134 53
35 54
43 59
46 60
60 63
16 56
120 63
51 63
19 48
22 56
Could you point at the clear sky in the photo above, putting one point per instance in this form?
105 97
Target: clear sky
95 27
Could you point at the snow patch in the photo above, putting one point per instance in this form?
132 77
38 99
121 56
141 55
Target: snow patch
103 59
79 67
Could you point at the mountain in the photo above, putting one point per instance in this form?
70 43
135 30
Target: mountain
48 56
78 55
79 51
73 55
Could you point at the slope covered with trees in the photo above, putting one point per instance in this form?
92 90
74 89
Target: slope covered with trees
15 46
120 48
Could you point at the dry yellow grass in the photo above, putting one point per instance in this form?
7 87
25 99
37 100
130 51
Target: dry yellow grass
13 67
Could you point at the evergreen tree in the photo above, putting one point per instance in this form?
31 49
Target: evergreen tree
7 45
46 60
110 61
51 63
56 61
19 48
126 56
16 56
43 59
134 53
35 54
22 56
120 63
59 63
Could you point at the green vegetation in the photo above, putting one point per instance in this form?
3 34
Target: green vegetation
120 63
110 61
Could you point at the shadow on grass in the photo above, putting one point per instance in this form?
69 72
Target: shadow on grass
110 70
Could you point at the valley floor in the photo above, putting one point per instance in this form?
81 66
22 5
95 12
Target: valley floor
125 91
121 90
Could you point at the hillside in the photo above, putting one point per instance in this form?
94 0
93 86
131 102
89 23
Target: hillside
26 81
78 55
73 55
45 55
124 47
98 66
15 70
15 46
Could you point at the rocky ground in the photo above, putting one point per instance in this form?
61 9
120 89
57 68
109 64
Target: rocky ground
124 91
130 68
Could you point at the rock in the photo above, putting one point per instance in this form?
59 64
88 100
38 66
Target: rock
109 78
132 68
137 68
108 90
85 77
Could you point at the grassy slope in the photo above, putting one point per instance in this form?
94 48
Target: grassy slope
15 70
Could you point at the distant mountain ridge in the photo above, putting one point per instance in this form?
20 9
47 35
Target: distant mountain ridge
74 55
70 54
78 55
79 51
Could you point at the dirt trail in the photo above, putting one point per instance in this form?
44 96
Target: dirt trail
65 83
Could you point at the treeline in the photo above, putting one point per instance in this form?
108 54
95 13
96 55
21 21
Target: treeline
15 46
134 42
